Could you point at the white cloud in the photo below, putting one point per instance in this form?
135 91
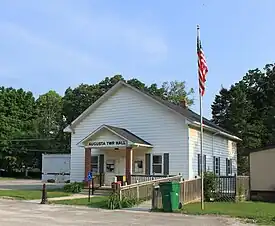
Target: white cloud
71 45
111 29
33 39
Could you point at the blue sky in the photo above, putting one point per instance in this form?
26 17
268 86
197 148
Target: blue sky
54 44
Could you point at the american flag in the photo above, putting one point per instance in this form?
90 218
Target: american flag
202 67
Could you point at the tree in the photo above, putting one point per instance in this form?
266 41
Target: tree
77 100
17 112
49 121
49 112
175 91
247 109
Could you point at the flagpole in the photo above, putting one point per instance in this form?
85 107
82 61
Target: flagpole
201 136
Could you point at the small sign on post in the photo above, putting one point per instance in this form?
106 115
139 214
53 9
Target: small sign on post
89 178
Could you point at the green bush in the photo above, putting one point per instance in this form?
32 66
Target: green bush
127 202
74 187
210 185
51 180
114 202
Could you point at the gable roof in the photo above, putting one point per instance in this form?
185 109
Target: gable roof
193 117
121 132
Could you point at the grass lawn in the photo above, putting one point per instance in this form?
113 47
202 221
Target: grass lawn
260 212
96 202
30 194
7 178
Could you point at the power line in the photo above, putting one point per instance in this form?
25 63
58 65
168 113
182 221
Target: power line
41 139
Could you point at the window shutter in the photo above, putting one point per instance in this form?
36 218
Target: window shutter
204 163
214 168
147 164
166 164
227 166
199 165
219 165
101 163
230 166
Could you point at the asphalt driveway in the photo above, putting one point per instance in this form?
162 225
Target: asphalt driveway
14 213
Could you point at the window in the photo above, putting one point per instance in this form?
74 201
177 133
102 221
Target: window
228 166
138 166
199 164
110 165
94 164
216 165
157 164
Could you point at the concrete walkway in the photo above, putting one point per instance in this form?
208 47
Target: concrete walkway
143 207
74 196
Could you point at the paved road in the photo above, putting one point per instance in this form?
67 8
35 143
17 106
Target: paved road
14 213
21 184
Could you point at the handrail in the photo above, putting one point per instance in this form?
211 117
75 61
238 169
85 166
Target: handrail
148 182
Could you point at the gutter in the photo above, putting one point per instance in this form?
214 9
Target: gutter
197 124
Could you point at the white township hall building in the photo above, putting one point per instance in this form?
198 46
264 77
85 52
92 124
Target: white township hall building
129 133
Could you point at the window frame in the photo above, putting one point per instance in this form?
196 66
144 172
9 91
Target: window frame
229 166
199 164
141 169
97 156
217 165
161 164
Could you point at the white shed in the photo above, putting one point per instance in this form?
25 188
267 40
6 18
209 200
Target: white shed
56 166
262 179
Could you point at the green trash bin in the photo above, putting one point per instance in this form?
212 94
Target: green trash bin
170 195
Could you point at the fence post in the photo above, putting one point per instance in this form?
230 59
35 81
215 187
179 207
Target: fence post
236 189
183 192
137 192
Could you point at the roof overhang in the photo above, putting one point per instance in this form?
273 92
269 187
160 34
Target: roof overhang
70 128
215 131
249 151
128 139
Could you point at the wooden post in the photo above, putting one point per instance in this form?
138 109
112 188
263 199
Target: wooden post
87 164
44 199
137 192
128 164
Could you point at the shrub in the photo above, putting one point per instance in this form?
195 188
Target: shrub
127 202
74 187
51 181
210 185
114 202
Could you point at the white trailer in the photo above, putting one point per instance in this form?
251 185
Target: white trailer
56 167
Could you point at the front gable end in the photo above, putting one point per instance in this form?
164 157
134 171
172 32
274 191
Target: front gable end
118 100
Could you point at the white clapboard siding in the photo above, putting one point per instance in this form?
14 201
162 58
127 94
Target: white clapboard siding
156 124
213 145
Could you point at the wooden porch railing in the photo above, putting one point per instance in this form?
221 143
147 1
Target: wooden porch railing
98 179
143 190
142 178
